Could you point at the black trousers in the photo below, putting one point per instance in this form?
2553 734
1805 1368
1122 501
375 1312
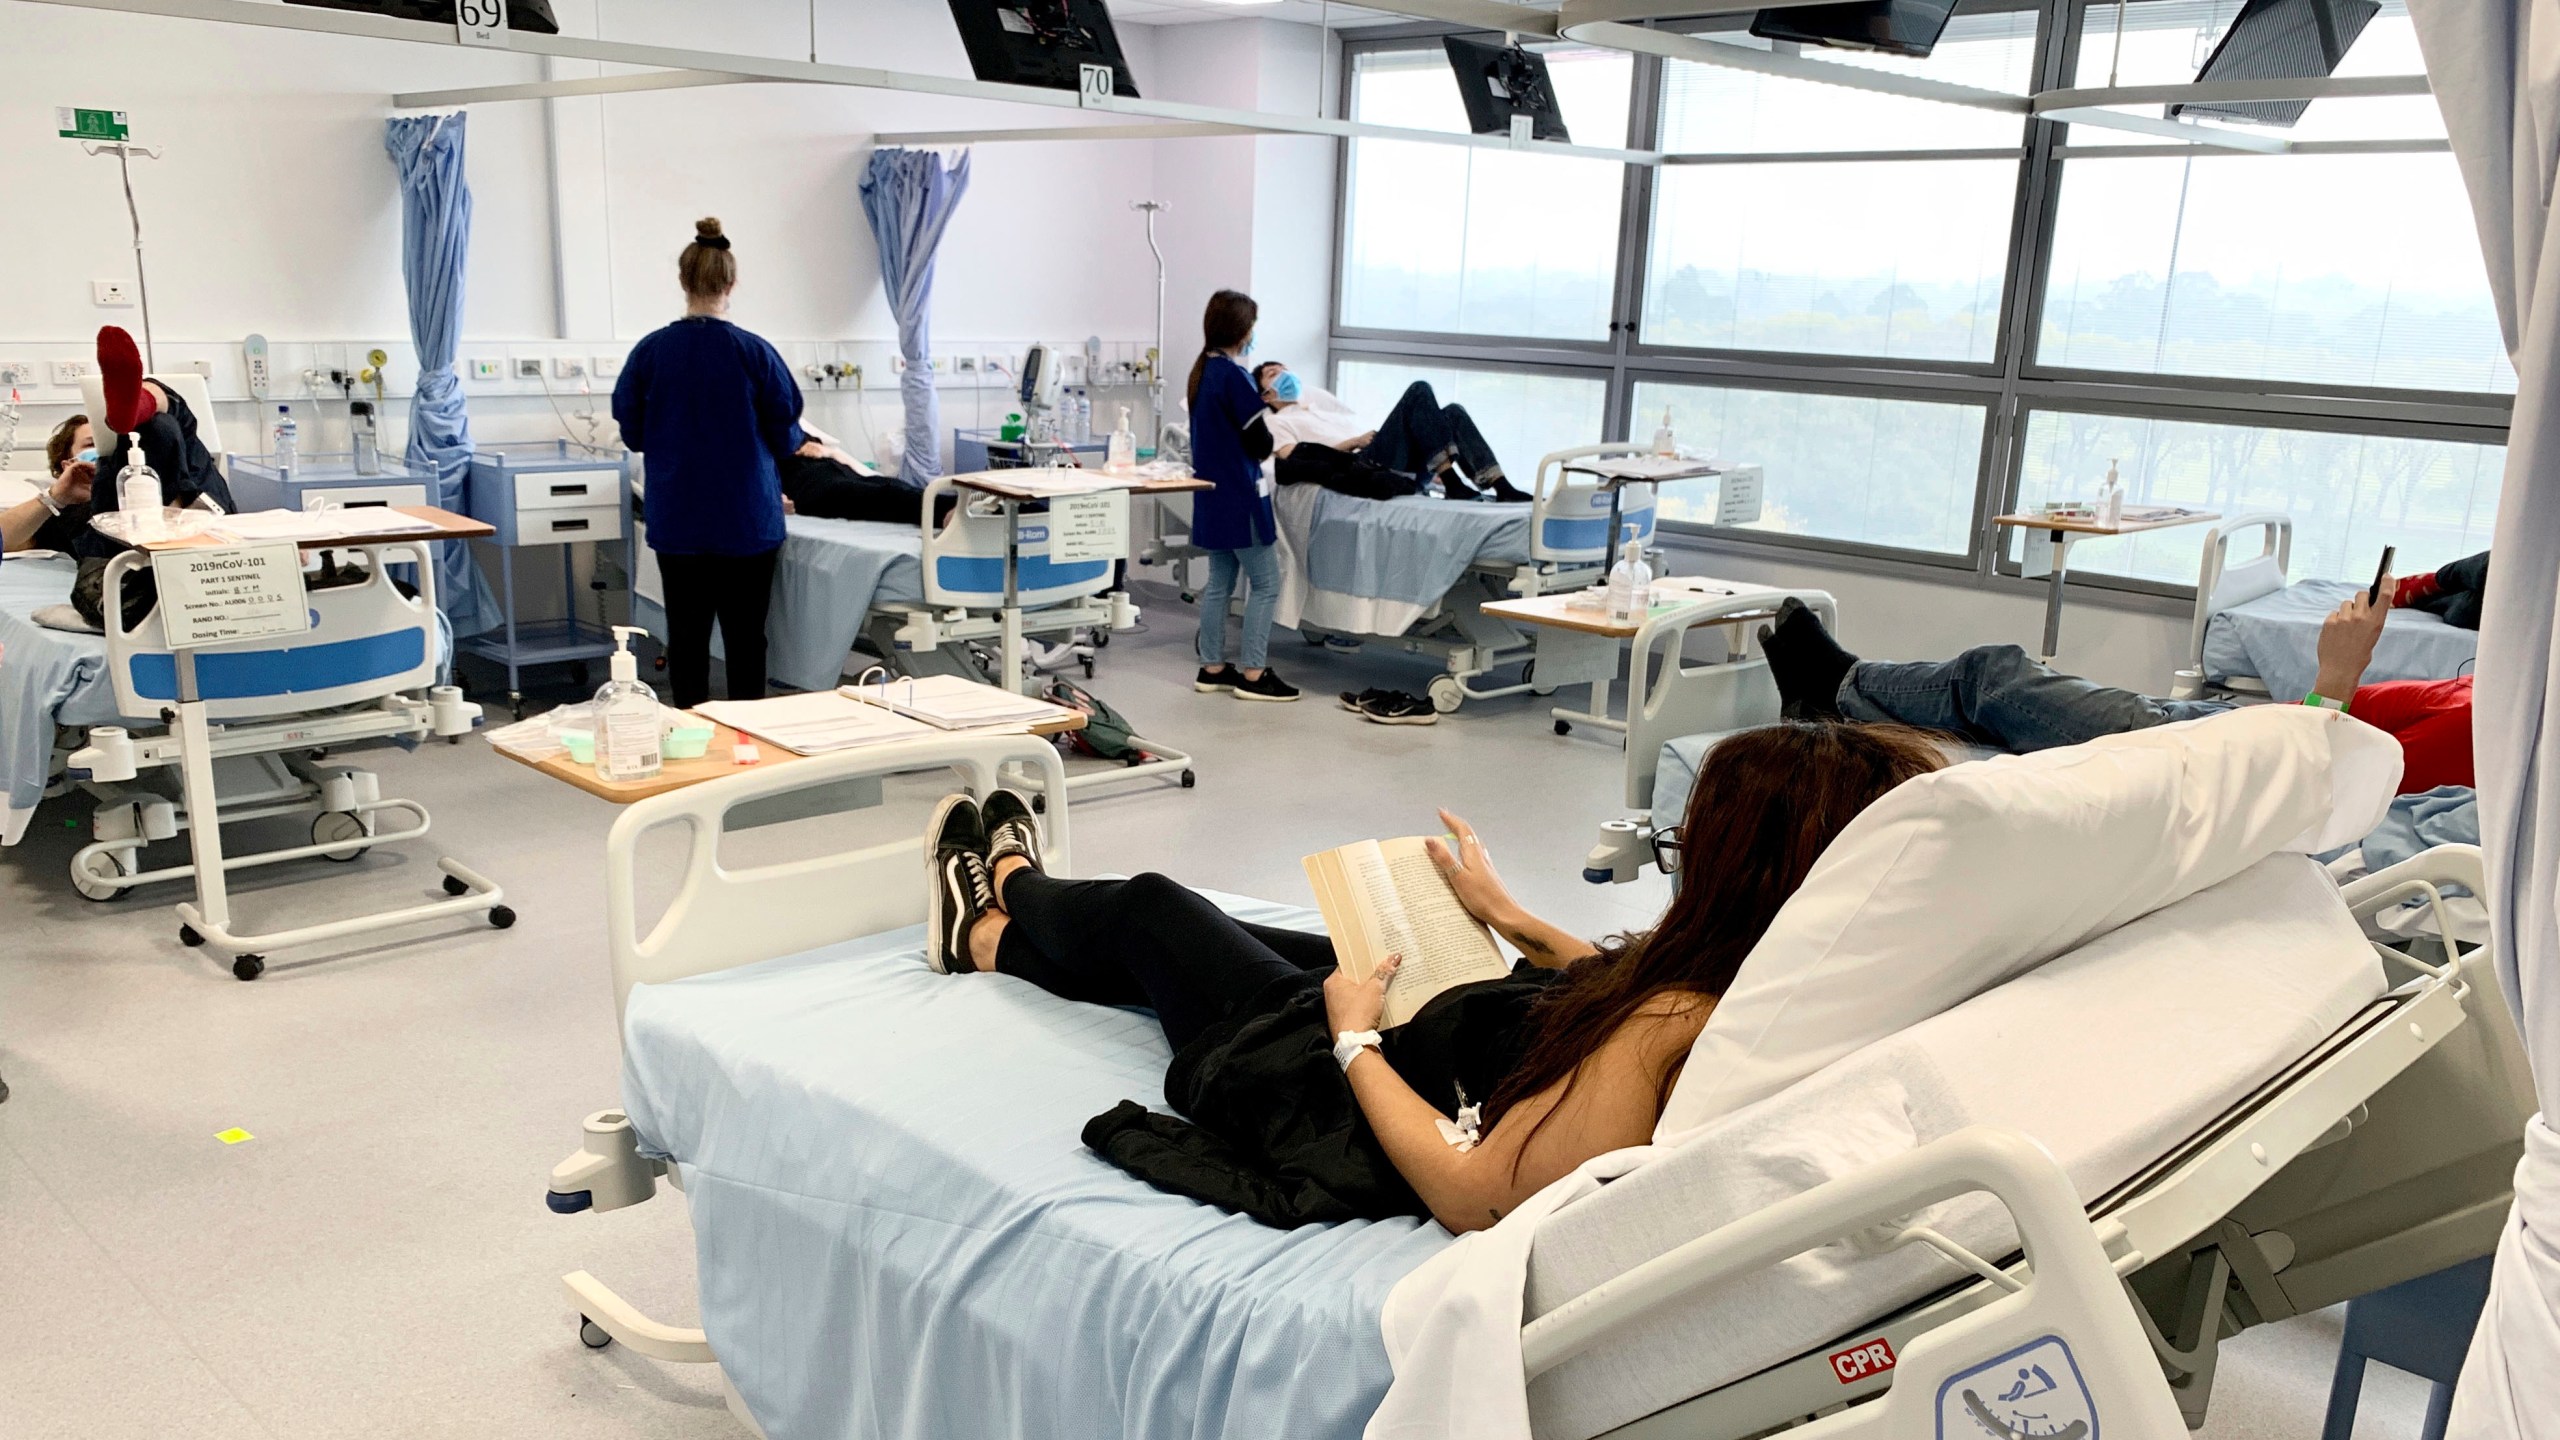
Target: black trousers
1344 472
733 589
1421 436
2465 585
833 490
1146 941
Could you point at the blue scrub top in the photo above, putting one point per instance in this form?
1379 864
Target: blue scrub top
1236 515
712 406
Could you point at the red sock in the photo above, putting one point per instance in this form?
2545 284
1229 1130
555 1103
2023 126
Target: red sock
2415 589
120 377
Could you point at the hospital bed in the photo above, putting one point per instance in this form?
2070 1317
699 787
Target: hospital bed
2256 636
886 1213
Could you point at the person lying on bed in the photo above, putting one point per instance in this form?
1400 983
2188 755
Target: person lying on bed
1317 438
1996 695
1296 1110
822 479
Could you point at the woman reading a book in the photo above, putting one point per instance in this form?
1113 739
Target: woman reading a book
1299 1110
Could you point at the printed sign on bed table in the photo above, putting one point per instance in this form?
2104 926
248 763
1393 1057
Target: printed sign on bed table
238 592
1089 527
1738 497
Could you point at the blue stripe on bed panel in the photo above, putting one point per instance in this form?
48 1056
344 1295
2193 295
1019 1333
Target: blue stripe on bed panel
299 670
984 574
1562 533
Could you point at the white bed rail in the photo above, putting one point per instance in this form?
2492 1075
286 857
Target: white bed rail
1667 697
1558 498
720 917
2222 583
2065 1322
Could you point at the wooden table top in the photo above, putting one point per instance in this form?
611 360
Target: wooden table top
994 482
449 526
1553 610
718 760
2133 523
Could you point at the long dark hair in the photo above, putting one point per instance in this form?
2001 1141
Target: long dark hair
1768 802
1224 326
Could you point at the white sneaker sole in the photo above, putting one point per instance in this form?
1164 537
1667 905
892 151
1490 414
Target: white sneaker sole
1243 694
1427 718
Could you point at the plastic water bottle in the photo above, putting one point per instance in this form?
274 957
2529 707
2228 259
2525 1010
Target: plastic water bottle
364 437
288 438
1630 581
138 494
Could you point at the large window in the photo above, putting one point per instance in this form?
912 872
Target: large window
1523 415
1818 279
1867 469
1440 239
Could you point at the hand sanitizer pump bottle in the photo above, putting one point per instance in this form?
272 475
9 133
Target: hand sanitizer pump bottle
2111 499
1663 444
138 494
1123 455
1630 581
629 736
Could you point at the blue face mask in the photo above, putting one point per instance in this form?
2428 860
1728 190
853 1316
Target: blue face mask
1247 351
1286 387
88 456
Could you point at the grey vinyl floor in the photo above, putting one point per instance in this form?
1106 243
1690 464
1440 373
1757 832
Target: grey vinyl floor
378 1261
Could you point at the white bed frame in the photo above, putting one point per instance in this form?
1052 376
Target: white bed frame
2221 583
2186 1228
1671 693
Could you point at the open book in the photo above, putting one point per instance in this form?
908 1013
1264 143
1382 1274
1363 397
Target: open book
1385 897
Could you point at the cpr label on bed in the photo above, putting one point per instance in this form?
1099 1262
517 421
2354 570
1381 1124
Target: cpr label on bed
1863 1361
238 592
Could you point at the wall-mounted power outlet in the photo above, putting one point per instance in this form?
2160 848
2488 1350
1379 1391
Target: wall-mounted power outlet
72 372
941 364
964 365
528 367
488 370
568 367
17 372
606 366
111 292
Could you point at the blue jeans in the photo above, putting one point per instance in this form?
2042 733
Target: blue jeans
1261 567
1997 695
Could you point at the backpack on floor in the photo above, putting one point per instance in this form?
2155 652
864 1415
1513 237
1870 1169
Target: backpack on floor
1106 734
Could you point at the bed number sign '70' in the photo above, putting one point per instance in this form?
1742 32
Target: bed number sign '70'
1863 1361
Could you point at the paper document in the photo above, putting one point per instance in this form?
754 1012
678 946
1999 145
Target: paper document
1645 467
815 724
1044 480
1386 897
950 702
322 524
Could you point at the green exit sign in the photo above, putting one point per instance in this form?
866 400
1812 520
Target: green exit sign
75 124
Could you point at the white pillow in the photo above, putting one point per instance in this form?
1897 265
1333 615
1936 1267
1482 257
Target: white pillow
1959 880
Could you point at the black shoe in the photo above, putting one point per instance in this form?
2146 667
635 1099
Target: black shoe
1805 662
1352 700
955 882
1209 681
1011 829
1269 687
1394 707
1504 491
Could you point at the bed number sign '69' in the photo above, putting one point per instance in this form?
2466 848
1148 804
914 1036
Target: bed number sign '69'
480 22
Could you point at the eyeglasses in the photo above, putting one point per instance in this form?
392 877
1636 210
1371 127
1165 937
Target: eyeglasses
1666 850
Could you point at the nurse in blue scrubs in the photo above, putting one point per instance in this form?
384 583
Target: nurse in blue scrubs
1234 523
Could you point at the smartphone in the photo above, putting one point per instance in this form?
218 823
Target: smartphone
2373 595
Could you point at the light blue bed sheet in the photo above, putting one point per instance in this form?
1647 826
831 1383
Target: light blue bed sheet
2276 638
1411 550
47 678
830 575
900 1234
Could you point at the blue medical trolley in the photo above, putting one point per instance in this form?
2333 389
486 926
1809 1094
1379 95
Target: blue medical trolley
547 493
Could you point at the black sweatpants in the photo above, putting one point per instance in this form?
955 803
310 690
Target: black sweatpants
1146 941
1420 436
735 590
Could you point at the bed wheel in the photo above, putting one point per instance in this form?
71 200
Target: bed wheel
100 881
592 1335
501 916
1447 694
340 825
188 937
1088 667
455 885
248 967
1564 727
1189 779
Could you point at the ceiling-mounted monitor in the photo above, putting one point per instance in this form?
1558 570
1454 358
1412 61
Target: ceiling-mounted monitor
2279 40
1496 82
1896 27
530 16
1041 42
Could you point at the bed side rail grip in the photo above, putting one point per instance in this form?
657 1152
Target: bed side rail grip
1552 463
2072 1296
2275 529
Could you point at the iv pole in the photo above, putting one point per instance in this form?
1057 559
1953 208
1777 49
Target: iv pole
142 282
1155 357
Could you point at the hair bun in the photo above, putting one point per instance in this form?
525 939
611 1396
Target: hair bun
707 228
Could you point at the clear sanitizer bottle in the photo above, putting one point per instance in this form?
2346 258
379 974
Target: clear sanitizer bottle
364 435
1123 455
138 494
1663 443
2111 499
629 735
288 441
1630 581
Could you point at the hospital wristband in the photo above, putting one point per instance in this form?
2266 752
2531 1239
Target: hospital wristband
2315 698
1348 1045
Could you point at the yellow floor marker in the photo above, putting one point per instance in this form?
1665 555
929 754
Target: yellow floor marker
233 1136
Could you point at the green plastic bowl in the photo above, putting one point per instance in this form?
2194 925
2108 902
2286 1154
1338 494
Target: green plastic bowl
687 742
582 745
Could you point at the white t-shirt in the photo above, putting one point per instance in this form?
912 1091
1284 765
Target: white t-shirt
1318 418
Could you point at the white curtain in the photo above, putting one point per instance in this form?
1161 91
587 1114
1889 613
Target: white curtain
2495 67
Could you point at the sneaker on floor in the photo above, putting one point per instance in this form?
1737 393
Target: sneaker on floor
1394 707
1210 682
1352 700
957 833
1012 829
1269 687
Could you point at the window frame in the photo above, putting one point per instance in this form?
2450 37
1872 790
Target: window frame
2011 386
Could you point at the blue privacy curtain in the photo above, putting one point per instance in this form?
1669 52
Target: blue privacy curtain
909 197
435 234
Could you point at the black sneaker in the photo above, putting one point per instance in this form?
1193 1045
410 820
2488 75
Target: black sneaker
1011 829
1269 687
1352 700
1394 707
1209 682
956 888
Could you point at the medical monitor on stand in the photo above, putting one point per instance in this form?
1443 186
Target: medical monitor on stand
1497 82
1895 27
1041 42
2279 40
